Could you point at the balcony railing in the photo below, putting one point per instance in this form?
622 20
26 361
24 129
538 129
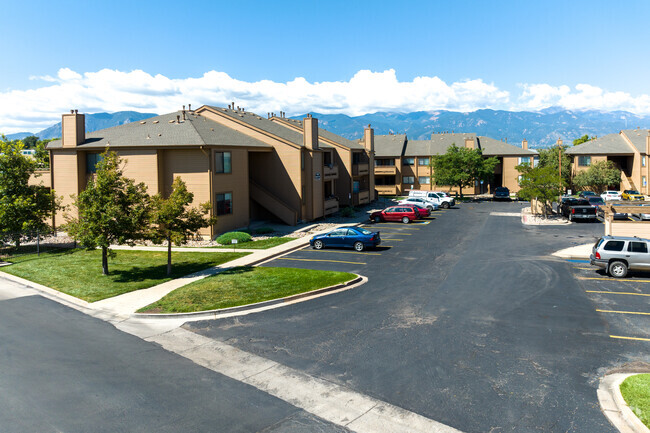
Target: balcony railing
359 169
331 206
387 189
330 172
385 169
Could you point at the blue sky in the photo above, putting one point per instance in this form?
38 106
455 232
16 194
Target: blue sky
472 54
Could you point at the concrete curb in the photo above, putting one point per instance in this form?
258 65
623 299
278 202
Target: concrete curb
261 306
579 252
614 406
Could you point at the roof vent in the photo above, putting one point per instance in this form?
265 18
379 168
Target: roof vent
155 121
159 135
171 121
178 118
148 137
211 129
142 122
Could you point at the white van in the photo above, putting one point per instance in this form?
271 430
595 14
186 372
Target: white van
442 200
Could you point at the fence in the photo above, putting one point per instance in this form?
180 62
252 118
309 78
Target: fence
29 242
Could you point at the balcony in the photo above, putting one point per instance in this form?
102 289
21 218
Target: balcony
361 197
385 169
330 172
387 189
331 206
359 169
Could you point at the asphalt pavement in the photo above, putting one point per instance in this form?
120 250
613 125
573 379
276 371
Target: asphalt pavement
467 320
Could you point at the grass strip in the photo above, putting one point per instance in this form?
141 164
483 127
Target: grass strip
79 272
261 244
244 285
636 392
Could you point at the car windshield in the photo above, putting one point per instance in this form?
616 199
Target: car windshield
363 231
633 192
501 189
586 193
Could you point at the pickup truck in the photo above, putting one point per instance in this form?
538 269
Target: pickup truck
578 209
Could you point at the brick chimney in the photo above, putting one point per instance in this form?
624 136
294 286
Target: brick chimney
469 143
369 139
310 132
524 144
73 129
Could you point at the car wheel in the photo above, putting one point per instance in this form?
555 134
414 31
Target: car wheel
406 220
617 269
358 246
445 205
430 208
377 219
318 245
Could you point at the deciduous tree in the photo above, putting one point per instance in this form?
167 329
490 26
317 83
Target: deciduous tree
462 167
111 210
551 158
598 177
24 208
585 138
173 220
539 183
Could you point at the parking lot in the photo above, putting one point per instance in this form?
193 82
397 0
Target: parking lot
623 303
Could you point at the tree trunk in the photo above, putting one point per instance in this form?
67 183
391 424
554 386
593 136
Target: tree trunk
104 261
169 256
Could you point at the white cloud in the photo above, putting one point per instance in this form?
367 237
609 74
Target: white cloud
367 91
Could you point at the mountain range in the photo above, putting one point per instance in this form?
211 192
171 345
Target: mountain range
540 128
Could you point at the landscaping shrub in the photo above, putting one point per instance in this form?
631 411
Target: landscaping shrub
226 238
263 231
347 212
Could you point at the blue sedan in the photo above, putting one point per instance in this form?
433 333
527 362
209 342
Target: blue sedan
352 237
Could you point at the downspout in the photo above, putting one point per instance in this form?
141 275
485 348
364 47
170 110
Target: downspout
52 189
211 177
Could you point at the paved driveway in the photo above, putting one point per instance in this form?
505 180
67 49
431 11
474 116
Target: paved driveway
466 320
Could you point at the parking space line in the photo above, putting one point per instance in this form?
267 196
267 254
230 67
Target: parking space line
613 279
624 312
629 338
319 260
586 269
392 239
617 293
400 233
341 252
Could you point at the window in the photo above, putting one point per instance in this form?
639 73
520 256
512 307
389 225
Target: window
644 182
524 160
224 203
92 159
408 179
423 161
614 246
424 180
356 158
638 247
222 162
584 161
384 162
643 161
355 186
408 161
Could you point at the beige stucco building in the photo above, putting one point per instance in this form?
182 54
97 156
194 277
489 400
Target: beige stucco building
246 166
402 164
629 150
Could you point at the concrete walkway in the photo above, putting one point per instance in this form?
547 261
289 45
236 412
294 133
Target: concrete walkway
579 252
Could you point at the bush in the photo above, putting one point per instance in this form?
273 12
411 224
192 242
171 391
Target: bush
226 238
263 231
347 212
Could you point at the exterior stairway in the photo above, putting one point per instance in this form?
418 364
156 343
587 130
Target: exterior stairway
627 182
270 202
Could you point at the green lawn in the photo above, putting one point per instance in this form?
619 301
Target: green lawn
79 272
636 392
262 244
244 285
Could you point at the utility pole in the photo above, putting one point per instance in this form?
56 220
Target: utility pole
559 155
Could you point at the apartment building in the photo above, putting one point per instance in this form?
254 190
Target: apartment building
402 164
628 150
246 166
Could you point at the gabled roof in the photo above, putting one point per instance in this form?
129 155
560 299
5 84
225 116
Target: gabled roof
166 130
417 148
390 145
324 133
637 137
441 142
492 147
610 144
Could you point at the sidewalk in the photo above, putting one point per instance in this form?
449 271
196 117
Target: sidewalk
579 252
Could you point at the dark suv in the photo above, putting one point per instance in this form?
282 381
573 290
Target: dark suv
501 193
617 254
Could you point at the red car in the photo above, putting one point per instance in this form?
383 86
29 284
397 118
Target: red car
402 213
423 211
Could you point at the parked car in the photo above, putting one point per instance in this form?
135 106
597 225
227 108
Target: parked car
562 207
405 214
444 201
642 216
420 201
618 254
447 201
586 194
501 193
350 237
611 195
423 211
596 201
632 194
578 209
